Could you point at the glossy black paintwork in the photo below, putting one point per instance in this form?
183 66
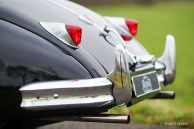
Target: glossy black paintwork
28 14
28 53
26 58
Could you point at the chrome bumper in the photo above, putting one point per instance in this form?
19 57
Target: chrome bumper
89 93
115 89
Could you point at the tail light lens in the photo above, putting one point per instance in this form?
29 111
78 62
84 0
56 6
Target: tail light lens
75 33
126 38
125 27
132 26
69 34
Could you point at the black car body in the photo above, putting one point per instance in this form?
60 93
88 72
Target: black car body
43 76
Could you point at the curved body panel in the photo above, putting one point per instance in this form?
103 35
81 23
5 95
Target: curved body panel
94 50
26 58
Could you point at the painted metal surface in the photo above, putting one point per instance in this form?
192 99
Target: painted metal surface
30 54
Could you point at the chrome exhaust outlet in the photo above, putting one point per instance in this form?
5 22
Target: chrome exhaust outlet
107 118
104 118
165 95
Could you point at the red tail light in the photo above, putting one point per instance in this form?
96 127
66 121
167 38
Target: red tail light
75 32
132 26
126 38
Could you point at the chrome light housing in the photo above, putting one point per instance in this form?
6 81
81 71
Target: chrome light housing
60 31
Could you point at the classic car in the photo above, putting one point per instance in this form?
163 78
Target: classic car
61 61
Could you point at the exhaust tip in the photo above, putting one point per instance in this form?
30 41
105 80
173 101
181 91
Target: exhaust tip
165 95
107 118
103 118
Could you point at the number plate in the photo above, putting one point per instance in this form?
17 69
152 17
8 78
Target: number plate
145 83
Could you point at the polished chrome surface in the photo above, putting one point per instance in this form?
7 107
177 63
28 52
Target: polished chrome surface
106 118
130 58
169 59
120 77
160 67
165 95
145 59
166 75
141 70
58 30
87 93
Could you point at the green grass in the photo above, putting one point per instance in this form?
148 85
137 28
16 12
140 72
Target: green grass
155 22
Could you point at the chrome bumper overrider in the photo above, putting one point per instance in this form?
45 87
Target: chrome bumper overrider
115 89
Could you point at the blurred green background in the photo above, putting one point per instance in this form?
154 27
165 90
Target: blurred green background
156 20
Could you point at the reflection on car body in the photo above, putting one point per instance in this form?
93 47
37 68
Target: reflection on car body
60 61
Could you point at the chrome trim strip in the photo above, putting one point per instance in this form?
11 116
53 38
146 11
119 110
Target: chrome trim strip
87 93
86 83
65 103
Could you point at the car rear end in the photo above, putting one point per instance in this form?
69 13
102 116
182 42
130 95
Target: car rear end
116 72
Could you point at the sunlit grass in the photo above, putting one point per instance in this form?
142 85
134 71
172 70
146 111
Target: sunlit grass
155 22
